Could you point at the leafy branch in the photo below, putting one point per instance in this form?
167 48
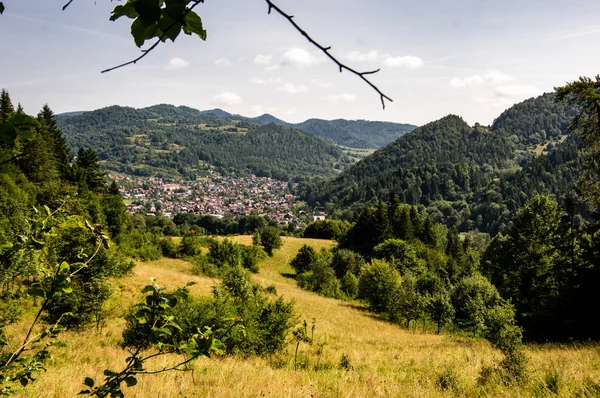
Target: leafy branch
19 367
159 327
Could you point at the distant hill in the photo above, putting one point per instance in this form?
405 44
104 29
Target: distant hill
471 177
348 133
74 113
185 142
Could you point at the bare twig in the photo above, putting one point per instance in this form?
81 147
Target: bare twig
326 50
157 42
66 5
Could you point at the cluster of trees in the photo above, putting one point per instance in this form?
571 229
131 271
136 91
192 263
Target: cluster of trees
39 176
405 267
162 139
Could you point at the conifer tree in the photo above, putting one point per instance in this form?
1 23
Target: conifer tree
58 141
6 107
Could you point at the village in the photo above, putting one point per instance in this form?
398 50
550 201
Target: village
215 195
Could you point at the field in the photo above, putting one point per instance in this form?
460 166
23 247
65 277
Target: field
380 359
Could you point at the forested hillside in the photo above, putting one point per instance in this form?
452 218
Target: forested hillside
180 141
469 177
356 133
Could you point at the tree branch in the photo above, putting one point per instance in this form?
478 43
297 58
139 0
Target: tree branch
326 50
157 42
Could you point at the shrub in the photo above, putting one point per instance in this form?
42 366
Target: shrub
349 285
345 261
169 248
304 259
327 229
251 255
377 280
397 252
270 239
470 299
201 265
191 245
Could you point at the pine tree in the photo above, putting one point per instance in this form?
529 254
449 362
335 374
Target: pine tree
87 169
58 142
6 107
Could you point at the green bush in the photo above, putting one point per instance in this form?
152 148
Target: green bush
266 323
344 261
349 285
304 259
376 282
169 248
202 265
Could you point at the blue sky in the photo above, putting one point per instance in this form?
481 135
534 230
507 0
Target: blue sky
473 58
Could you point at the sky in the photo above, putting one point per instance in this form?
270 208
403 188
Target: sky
473 58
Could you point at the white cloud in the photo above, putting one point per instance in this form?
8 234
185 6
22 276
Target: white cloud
497 77
263 60
408 62
300 57
178 63
362 57
493 77
226 98
466 82
290 111
339 98
273 67
517 90
259 81
291 88
320 83
223 62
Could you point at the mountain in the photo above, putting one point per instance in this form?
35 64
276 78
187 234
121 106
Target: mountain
348 133
218 112
356 133
73 113
266 118
471 177
184 142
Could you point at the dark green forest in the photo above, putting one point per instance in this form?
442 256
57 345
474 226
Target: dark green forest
468 177
177 141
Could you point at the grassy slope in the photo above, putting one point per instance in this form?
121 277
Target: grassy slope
386 359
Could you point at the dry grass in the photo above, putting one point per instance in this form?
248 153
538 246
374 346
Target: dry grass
384 359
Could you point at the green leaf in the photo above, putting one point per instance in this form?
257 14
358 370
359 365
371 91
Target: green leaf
170 28
110 373
1 7
148 288
89 382
6 245
149 11
175 8
141 32
193 24
126 9
36 291
24 381
130 381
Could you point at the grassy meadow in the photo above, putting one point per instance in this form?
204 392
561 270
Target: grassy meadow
354 354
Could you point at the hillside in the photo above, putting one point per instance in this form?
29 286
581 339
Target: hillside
184 142
348 133
461 172
382 359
